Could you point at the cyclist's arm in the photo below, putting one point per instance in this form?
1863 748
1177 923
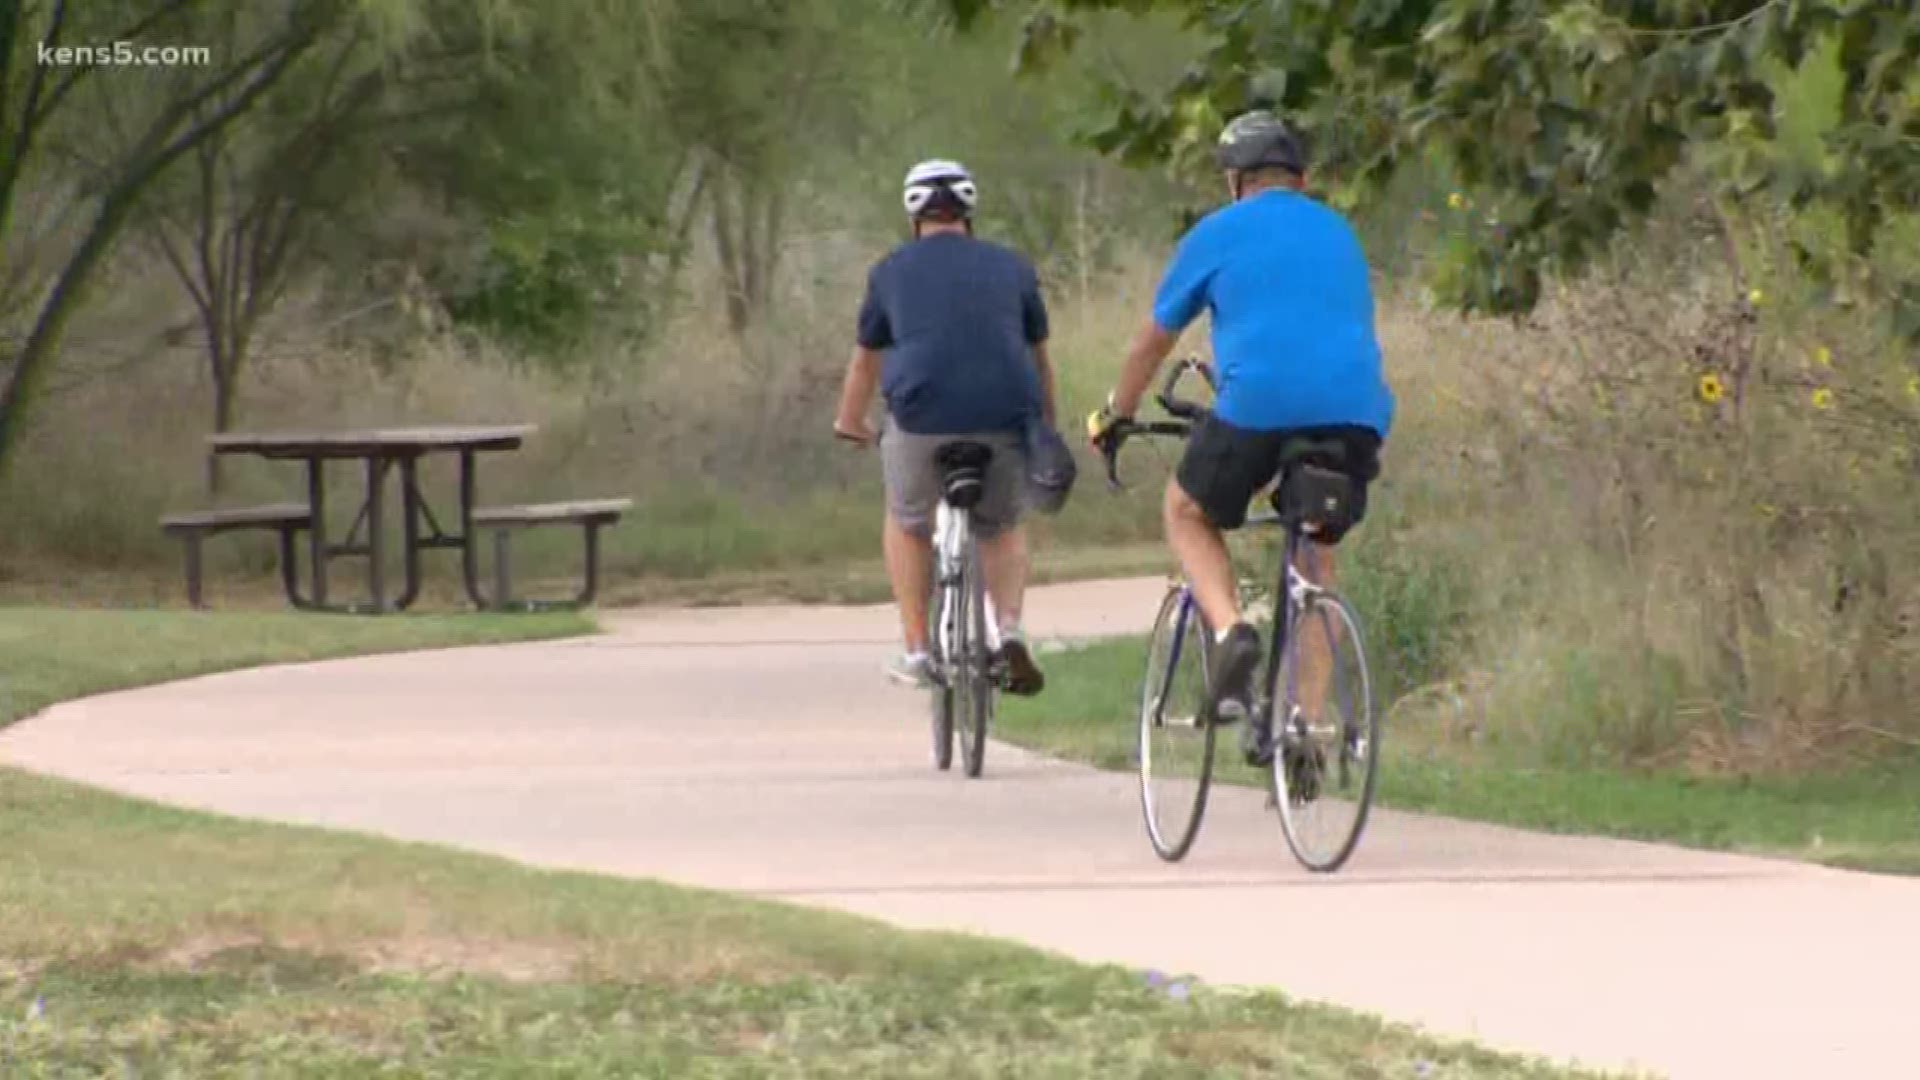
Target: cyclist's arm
1183 293
1150 349
1036 325
1044 363
856 393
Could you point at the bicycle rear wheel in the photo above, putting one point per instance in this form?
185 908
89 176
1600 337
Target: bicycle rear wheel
1327 733
1176 748
971 670
942 693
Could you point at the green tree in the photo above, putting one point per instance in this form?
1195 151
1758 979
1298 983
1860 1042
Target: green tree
124 126
1568 114
756 93
557 149
238 222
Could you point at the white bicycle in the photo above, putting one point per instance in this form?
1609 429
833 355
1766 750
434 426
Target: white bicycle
962 628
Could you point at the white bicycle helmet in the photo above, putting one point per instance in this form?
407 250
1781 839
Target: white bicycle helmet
939 184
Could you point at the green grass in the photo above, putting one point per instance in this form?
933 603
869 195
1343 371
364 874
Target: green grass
49 655
150 942
1866 818
138 940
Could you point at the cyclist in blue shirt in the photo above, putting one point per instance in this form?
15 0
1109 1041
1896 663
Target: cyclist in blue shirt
1288 289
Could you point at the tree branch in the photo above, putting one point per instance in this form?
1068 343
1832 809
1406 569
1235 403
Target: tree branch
80 71
154 154
22 136
1694 31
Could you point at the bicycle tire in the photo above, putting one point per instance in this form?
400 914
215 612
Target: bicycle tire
1299 773
974 706
942 692
1179 635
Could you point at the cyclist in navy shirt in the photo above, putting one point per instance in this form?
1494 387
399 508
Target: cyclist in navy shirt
1291 301
954 332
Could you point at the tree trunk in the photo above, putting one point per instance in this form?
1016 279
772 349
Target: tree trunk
35 359
153 155
726 244
223 395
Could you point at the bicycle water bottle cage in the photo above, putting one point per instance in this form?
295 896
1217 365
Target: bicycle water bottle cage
963 473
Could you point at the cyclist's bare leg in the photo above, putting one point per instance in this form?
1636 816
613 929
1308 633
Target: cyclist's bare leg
910 568
1202 552
1004 558
1315 560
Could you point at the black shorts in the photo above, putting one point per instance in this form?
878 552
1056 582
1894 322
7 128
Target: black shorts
1225 466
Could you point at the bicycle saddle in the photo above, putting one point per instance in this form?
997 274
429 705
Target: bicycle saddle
963 472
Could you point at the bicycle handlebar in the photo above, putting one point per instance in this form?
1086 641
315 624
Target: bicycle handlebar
1181 407
1185 412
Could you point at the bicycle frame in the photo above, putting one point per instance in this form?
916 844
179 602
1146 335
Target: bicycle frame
952 540
1294 592
1294 588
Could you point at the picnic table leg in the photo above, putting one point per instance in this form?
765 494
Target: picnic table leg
194 598
290 569
376 531
410 528
592 583
470 544
317 536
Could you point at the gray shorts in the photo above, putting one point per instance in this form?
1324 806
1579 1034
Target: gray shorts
913 479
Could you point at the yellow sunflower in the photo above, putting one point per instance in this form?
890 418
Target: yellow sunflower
1823 398
1756 297
1823 356
1711 389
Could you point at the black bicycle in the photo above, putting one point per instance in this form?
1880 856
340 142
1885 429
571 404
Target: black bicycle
1322 759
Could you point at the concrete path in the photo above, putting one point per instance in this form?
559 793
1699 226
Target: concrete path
759 750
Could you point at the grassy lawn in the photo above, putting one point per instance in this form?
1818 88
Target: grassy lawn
49 655
1866 819
137 940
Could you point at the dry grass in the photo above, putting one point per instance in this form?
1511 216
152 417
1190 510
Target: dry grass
1571 554
722 440
1655 578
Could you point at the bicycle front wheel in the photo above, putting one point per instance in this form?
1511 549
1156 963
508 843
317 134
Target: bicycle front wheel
1176 747
1327 734
972 667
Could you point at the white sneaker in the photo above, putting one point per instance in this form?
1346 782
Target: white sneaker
911 670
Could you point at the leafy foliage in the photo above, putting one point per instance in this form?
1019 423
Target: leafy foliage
1569 116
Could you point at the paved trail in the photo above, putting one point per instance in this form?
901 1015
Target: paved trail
758 750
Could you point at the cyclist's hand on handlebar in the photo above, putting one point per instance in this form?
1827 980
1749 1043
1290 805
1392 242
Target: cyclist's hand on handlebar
1103 427
856 432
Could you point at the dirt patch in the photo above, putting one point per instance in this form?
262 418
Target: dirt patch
511 961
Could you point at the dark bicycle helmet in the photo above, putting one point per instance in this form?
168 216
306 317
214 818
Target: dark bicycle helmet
1260 140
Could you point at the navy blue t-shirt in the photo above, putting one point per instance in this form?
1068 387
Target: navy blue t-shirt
956 318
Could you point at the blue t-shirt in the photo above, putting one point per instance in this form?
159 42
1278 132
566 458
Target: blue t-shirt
1292 308
957 318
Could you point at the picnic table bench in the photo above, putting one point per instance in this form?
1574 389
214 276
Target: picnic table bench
591 515
382 451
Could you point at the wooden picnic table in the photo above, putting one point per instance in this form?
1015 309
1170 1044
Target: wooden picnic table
381 449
